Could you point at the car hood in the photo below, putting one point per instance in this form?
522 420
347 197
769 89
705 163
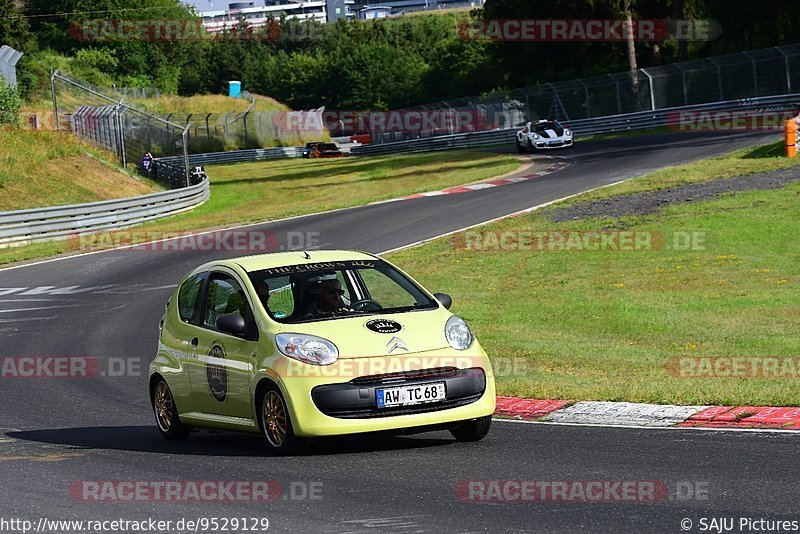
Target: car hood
357 337
551 133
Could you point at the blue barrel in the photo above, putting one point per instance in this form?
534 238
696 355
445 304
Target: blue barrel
235 89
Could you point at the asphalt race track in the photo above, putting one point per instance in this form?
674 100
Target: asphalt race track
56 432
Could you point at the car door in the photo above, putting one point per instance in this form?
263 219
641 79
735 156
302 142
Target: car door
223 365
177 332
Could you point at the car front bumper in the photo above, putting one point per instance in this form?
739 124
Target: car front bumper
340 403
552 144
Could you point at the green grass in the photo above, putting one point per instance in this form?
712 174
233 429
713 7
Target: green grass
609 325
39 169
203 104
741 162
252 192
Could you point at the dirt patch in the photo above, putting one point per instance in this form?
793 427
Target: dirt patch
649 202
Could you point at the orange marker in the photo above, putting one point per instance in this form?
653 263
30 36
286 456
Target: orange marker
791 138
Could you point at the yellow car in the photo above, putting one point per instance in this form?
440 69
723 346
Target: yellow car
297 345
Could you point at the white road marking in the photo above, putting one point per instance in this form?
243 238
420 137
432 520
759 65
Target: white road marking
40 308
623 413
484 223
640 427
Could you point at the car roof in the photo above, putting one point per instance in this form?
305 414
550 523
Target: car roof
282 259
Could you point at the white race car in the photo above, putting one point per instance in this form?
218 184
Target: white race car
543 134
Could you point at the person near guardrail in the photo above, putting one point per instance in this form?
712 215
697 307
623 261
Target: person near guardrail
147 164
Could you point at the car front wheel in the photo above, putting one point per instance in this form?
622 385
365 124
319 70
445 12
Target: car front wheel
474 430
166 413
275 422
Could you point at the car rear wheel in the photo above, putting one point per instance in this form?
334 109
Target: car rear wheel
520 147
474 430
275 422
530 146
166 413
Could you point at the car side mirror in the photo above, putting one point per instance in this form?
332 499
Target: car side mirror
445 299
231 323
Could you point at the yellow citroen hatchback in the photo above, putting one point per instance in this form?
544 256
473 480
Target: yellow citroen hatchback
295 345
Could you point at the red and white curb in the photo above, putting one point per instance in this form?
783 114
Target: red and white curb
557 164
603 413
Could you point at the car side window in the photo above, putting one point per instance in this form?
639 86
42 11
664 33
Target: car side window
224 295
189 298
281 297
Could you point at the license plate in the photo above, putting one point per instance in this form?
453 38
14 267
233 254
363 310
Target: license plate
409 395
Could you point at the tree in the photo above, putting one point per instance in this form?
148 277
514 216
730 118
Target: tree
14 29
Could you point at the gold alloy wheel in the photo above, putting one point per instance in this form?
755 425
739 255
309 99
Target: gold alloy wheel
163 406
274 418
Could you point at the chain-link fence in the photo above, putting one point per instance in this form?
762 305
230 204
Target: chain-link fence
215 132
137 92
134 136
752 74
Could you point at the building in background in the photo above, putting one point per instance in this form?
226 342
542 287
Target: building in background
256 16
319 10
374 8
374 12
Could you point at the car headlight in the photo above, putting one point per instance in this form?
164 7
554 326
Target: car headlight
568 133
309 349
536 136
458 334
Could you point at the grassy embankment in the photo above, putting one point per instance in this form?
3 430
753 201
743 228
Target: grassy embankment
40 169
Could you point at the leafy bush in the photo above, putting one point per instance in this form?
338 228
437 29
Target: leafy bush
10 104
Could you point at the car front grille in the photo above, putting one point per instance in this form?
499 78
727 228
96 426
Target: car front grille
404 376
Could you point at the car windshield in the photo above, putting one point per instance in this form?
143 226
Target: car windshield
334 290
550 125
328 146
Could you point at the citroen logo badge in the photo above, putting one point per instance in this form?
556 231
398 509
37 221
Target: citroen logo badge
396 344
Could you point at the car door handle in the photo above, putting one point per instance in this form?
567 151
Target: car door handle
195 341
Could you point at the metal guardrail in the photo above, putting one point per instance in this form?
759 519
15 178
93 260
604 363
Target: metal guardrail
22 226
8 61
643 120
236 156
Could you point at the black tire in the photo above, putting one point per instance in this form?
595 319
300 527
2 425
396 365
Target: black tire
473 430
520 147
275 422
531 147
166 413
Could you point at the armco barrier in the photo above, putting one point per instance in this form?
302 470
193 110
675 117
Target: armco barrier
236 156
23 226
644 120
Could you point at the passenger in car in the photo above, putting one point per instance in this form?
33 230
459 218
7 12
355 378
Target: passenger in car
262 290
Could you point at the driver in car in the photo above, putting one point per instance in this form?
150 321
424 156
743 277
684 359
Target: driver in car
328 294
